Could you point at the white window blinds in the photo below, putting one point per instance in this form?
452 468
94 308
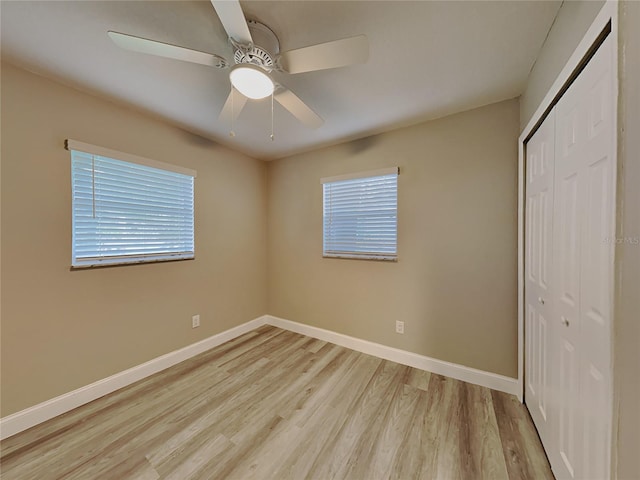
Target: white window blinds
360 215
127 212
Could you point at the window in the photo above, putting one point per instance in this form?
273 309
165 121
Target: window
360 215
131 211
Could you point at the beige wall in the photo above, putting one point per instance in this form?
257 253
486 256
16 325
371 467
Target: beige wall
570 25
627 315
61 329
454 284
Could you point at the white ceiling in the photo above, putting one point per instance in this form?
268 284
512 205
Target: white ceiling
427 59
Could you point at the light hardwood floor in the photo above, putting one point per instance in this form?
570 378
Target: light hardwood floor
273 404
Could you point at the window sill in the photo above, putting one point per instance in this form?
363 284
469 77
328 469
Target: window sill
122 262
347 256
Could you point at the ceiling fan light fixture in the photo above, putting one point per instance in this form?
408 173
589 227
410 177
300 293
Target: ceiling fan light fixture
251 81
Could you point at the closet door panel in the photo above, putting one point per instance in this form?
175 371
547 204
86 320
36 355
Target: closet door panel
538 273
584 218
571 130
597 259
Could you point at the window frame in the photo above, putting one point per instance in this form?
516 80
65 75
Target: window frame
356 255
81 263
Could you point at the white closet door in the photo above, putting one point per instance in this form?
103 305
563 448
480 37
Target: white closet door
538 272
584 223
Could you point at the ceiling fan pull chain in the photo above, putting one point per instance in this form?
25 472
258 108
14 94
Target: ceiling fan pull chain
271 136
232 133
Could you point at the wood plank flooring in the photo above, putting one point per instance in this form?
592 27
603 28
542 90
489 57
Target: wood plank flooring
274 404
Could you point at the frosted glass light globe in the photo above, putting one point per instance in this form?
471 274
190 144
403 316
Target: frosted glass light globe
251 81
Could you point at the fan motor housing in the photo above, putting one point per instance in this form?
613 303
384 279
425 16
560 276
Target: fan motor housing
264 49
255 55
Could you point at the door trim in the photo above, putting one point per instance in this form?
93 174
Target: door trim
607 18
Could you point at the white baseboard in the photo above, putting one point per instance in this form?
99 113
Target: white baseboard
24 419
453 370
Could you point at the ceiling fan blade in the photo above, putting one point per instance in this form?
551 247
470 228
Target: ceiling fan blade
232 19
298 108
235 103
338 53
153 47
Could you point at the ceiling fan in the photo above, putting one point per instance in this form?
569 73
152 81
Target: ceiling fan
256 55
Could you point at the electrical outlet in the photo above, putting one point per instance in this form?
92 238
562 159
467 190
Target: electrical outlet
399 327
195 321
